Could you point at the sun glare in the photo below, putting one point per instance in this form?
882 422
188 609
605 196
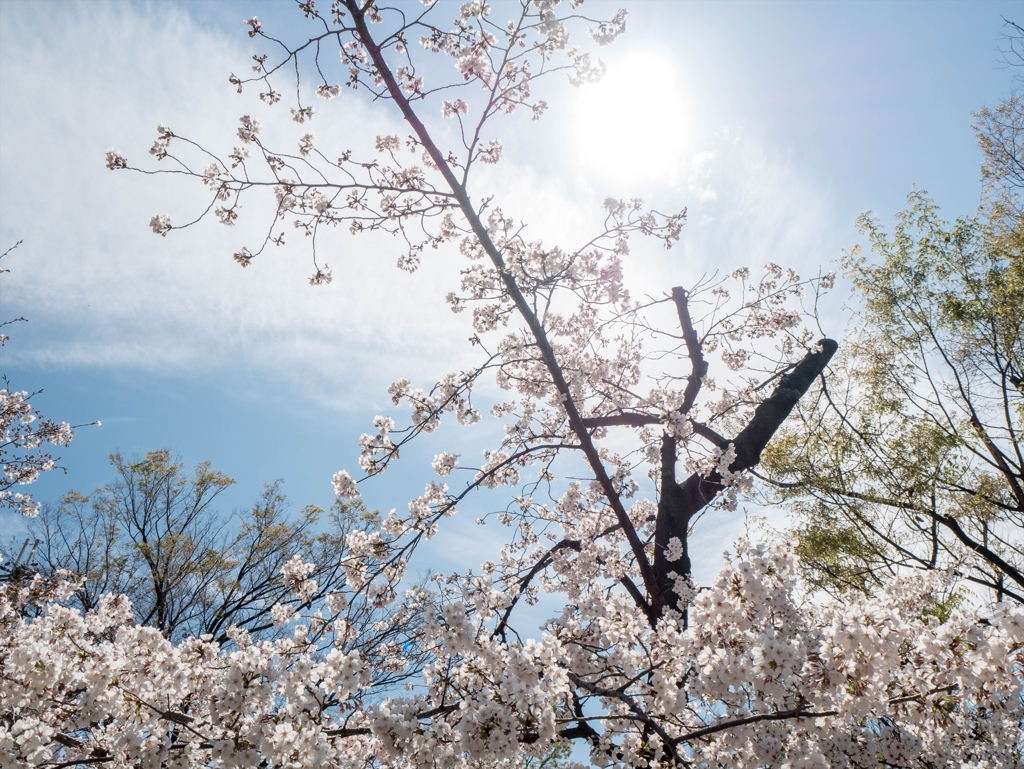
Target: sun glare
629 126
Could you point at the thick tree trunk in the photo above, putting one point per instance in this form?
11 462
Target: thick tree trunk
680 502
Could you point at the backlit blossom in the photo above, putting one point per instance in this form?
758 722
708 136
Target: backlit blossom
453 107
115 160
606 32
445 463
344 486
160 224
249 129
322 276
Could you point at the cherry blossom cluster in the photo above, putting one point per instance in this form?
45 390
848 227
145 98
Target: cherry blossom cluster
25 438
23 448
760 678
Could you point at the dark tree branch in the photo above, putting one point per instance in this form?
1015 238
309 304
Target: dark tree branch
680 502
980 549
625 419
698 365
947 521
638 712
515 293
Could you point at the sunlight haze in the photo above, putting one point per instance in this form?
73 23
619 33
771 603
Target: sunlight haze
637 109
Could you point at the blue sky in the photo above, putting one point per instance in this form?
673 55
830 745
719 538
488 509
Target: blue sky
775 123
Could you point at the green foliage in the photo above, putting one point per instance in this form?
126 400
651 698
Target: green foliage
1002 173
911 454
833 553
942 607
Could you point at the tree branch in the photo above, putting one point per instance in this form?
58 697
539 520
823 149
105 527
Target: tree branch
516 294
698 365
680 502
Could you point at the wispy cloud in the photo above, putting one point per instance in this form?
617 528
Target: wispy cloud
108 292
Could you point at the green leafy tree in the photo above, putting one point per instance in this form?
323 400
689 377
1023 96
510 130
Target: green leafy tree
911 456
155 535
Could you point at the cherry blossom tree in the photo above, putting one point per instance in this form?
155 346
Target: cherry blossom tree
625 422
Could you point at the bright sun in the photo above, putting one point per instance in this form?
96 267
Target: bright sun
629 125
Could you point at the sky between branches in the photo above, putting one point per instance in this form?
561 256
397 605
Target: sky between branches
775 123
